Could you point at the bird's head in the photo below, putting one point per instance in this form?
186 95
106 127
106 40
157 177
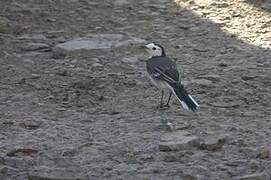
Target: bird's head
155 49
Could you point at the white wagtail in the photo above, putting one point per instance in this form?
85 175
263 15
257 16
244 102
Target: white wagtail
164 75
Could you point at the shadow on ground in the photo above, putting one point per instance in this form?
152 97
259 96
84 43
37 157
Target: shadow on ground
262 4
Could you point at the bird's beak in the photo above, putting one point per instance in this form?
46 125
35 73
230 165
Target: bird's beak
143 46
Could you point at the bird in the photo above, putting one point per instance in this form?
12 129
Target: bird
164 74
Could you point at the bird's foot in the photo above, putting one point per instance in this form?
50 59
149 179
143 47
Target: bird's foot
167 106
163 107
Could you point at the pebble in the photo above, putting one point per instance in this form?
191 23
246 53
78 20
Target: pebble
219 4
202 82
248 77
263 153
211 77
97 65
7 169
31 125
5 26
35 76
22 152
226 104
40 37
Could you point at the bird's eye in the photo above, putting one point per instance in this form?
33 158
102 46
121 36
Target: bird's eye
154 48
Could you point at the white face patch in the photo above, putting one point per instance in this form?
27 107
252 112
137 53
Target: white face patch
154 50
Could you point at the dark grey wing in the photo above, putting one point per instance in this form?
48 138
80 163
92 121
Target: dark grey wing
163 68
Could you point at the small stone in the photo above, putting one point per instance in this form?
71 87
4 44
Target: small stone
97 65
60 39
31 125
223 64
184 26
213 142
22 152
198 49
263 153
62 73
253 164
178 140
51 19
202 82
255 176
61 109
183 126
236 163
36 47
37 37
3 169
7 169
145 157
123 167
157 6
226 104
236 13
175 156
221 167
219 4
189 177
35 76
55 34
5 26
213 77
249 77
55 174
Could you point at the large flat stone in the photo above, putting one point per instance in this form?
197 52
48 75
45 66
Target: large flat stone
45 173
99 42
255 176
178 140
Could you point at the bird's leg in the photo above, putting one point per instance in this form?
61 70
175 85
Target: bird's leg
167 105
161 101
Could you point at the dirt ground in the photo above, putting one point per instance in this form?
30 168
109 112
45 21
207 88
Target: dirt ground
92 115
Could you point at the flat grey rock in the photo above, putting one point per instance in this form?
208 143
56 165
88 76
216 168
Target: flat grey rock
99 42
255 176
55 174
178 140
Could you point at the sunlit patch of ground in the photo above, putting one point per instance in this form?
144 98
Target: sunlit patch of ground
250 22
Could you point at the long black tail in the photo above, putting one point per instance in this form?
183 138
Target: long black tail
185 99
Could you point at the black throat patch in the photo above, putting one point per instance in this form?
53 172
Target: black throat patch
163 50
